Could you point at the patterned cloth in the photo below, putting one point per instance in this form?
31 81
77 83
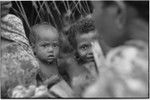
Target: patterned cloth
47 87
18 62
126 74
12 29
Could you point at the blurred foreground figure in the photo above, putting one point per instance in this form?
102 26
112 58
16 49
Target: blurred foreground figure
126 74
118 22
18 64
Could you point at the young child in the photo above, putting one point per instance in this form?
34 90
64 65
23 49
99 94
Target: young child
45 41
81 35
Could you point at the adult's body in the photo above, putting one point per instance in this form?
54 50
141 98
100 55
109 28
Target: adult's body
126 72
18 64
118 21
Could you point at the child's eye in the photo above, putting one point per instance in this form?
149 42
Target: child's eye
44 45
84 47
55 45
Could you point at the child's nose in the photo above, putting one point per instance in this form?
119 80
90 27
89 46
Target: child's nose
50 49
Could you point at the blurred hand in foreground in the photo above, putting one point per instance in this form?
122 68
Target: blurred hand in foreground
126 74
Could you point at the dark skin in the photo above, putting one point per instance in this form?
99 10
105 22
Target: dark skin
46 49
84 50
84 47
83 72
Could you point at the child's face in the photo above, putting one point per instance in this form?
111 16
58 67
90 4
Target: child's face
84 47
47 44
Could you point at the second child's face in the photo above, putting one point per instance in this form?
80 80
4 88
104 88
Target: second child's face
47 45
84 46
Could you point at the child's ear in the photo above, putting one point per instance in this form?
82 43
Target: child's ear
77 56
33 47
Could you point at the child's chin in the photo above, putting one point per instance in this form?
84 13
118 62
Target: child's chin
50 61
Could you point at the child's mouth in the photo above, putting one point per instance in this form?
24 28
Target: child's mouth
51 57
90 58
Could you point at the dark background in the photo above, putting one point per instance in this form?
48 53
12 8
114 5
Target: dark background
60 20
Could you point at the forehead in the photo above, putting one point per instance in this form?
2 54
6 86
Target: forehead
87 36
46 33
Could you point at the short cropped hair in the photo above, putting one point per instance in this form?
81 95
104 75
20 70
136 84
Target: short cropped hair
82 26
33 35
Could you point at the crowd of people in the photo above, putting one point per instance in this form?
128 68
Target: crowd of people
107 55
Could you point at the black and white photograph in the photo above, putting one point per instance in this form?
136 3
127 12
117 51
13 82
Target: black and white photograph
74 49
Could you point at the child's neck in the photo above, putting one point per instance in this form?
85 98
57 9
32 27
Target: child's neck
48 69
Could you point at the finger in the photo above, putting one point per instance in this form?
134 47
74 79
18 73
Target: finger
98 55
